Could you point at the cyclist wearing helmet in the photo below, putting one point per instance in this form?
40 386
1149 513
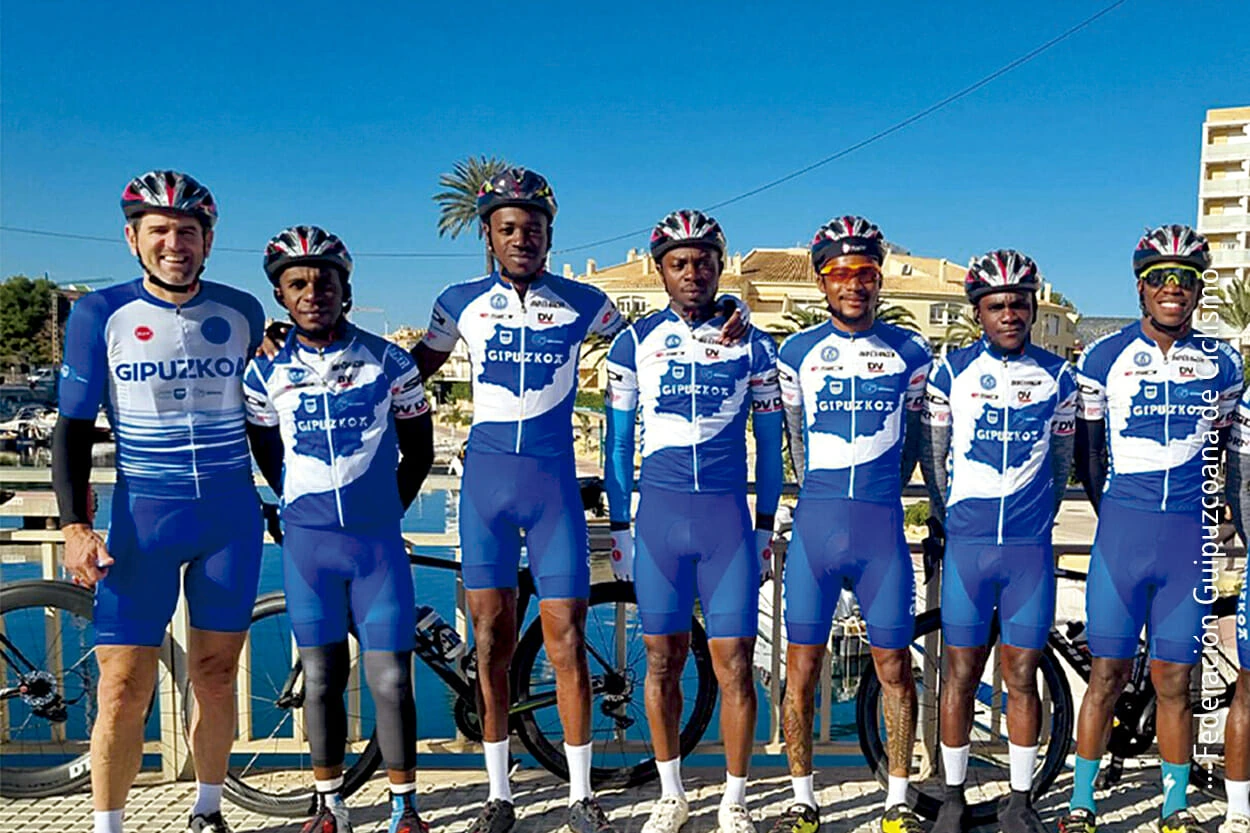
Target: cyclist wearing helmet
852 390
341 430
1237 727
524 328
694 530
1003 409
1154 396
164 354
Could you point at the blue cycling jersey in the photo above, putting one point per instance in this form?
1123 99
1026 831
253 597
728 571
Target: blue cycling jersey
853 390
336 408
524 352
1161 411
1002 412
695 395
169 378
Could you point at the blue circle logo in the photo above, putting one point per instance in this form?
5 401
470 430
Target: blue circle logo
1141 359
829 354
216 330
498 301
867 387
672 341
988 382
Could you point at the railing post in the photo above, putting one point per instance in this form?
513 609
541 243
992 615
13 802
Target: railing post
175 733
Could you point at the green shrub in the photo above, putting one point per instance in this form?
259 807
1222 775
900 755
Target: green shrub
916 513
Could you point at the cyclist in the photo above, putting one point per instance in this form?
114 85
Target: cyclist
1237 727
164 353
524 328
1152 397
341 430
693 527
1003 409
852 390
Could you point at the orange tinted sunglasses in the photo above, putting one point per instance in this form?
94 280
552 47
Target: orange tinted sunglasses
863 275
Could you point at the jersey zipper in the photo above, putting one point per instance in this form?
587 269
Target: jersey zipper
851 381
1002 482
186 355
694 422
1167 438
521 374
334 479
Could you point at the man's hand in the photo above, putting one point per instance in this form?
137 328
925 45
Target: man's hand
623 554
764 551
86 558
275 337
735 329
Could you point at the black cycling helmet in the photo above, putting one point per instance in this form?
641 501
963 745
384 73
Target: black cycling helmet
171 191
516 186
998 271
847 235
687 227
1171 244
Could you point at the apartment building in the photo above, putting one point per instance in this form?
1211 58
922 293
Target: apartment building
1224 196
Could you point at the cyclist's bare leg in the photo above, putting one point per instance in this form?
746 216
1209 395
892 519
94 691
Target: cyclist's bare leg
666 657
803 664
564 637
1175 718
959 687
1237 732
494 633
127 679
898 702
1107 679
731 659
1024 703
212 665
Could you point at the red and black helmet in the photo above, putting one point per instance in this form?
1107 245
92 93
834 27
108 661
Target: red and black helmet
306 246
172 191
516 186
1171 244
847 235
1001 270
687 227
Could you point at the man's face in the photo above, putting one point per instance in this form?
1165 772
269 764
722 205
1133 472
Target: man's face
519 239
172 247
1007 318
1172 303
313 295
851 284
691 276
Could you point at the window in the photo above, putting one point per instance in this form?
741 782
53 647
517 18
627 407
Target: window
943 315
1052 325
631 305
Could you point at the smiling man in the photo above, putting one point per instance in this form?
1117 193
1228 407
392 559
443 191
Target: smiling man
1154 398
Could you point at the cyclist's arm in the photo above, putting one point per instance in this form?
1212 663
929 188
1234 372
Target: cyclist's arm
263 432
792 408
1237 473
267 451
621 401
913 407
767 423
416 454
80 392
71 468
1091 458
1062 435
935 440
440 338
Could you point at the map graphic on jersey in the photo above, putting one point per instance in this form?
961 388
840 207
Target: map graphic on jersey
874 400
1152 402
713 385
546 351
351 412
1025 428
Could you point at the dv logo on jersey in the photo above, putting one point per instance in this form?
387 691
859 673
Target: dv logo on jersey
546 318
1024 396
876 367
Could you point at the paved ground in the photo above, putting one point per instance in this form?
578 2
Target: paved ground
450 798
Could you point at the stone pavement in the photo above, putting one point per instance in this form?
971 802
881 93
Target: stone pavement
449 799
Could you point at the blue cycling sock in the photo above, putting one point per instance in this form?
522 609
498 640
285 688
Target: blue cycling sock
1084 773
1175 784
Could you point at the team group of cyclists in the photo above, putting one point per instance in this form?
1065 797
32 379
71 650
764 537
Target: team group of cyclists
337 422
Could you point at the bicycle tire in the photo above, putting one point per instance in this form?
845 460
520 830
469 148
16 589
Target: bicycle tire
1210 777
250 786
76 602
926 797
611 767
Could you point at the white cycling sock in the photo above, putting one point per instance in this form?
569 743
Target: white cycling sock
735 790
1238 797
108 821
896 793
329 785
579 771
670 777
803 791
207 799
955 762
496 754
1022 760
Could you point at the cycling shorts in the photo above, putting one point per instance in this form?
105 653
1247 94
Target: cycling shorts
150 539
503 495
856 544
336 579
1018 579
1144 569
684 541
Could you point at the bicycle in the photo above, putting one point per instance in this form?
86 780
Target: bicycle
273 774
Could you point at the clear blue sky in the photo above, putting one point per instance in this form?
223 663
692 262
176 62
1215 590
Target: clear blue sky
315 113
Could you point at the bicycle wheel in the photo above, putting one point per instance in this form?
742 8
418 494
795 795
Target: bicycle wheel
270 767
988 769
1214 691
50 673
623 755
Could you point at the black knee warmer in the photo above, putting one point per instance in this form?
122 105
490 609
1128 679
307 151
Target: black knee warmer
390 681
326 669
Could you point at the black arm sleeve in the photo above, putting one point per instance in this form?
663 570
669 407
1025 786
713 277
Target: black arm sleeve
71 468
267 451
1091 458
416 454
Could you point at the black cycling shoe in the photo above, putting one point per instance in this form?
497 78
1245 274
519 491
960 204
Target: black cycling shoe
498 816
207 823
798 818
586 816
1017 815
951 818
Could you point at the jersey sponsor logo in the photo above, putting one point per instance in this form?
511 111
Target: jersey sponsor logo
296 374
1063 427
879 354
607 316
543 302
438 317
498 301
209 368
698 394
1164 400
876 367
711 352
350 415
869 403
988 382
215 329
504 361
829 354
1024 396
1141 359
546 318
1007 448
143 333
672 341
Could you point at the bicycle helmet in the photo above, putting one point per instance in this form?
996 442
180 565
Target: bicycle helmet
847 235
996 271
172 191
687 227
1171 244
309 246
516 186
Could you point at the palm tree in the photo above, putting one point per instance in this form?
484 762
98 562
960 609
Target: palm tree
457 206
595 347
1233 306
963 332
800 318
898 315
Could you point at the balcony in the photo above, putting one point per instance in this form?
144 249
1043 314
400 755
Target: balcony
1221 258
1232 150
1224 222
1231 187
